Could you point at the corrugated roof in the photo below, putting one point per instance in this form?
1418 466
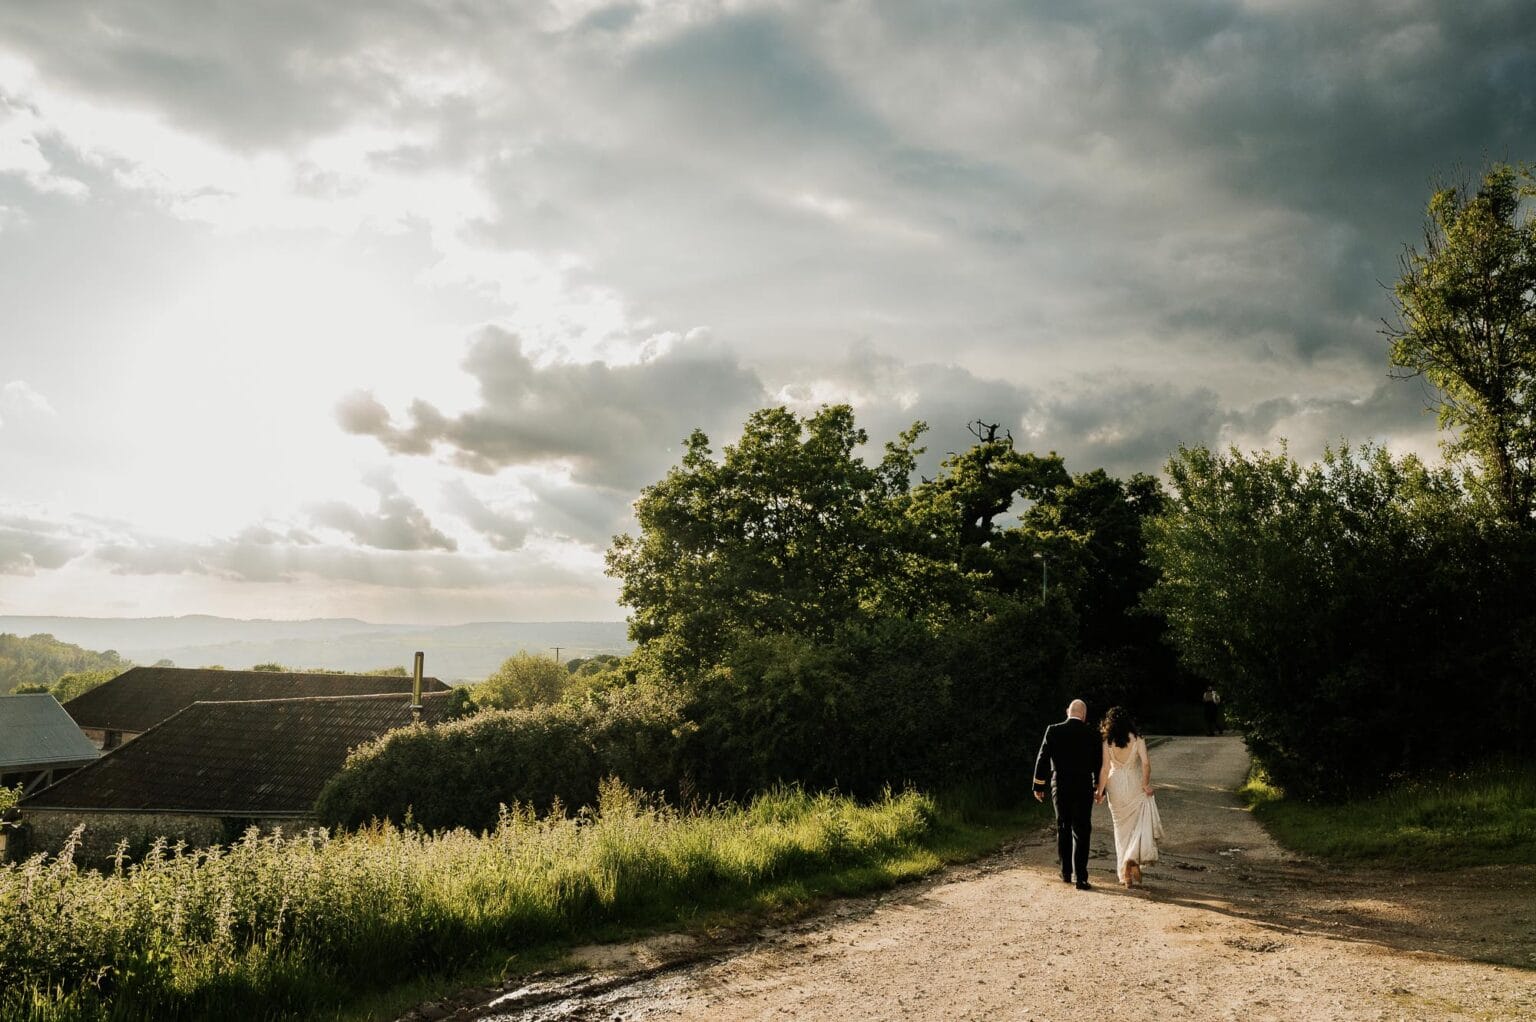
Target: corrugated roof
142 697
36 733
258 758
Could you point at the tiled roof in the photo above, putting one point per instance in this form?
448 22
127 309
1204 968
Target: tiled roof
142 697
36 733
260 758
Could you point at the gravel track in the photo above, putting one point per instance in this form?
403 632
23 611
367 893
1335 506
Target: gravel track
1228 927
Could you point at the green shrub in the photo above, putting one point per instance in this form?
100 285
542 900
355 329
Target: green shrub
888 701
522 681
459 773
1361 617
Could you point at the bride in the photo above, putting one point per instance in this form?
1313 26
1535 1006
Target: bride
1126 775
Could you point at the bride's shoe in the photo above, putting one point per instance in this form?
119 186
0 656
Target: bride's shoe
1135 871
1132 875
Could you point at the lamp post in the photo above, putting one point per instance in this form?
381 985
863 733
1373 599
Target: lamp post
1044 570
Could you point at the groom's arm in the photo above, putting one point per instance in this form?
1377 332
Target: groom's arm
1043 767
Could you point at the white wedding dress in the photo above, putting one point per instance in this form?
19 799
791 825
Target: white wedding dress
1138 828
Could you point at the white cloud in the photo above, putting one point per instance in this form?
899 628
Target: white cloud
18 399
22 136
399 523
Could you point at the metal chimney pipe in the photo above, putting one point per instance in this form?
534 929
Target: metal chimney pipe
416 689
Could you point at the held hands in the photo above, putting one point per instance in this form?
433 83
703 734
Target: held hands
1039 795
1147 789
1098 796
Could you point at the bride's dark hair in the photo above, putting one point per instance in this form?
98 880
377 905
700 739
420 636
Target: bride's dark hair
1117 727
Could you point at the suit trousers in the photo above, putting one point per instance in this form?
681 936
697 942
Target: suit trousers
1074 823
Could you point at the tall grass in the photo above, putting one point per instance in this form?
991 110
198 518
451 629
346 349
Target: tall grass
1482 816
276 926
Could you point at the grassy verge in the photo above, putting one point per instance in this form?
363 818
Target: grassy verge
1482 816
359 926
968 825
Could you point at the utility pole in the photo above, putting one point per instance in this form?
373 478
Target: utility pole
557 650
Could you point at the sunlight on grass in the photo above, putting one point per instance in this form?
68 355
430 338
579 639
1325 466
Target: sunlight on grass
1482 816
288 926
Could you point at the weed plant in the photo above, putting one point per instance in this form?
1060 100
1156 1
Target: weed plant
286 926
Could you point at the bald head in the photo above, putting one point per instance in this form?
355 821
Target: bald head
1078 709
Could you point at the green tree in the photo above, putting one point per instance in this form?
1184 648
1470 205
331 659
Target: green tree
588 666
79 683
956 514
826 621
1467 310
522 681
782 534
1341 607
1092 530
42 660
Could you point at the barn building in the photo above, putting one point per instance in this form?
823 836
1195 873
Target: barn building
138 699
213 769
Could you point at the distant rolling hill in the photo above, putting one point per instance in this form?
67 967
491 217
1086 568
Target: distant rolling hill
466 652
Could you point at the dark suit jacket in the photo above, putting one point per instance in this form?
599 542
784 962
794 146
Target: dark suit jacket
1069 758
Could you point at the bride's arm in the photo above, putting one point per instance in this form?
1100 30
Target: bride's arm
1146 767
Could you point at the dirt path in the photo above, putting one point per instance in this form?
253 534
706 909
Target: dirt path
1228 927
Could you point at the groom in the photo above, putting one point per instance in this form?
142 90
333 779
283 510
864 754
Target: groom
1069 759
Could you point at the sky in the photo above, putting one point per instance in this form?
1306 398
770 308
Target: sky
389 310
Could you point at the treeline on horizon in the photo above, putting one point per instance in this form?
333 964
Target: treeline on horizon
41 663
802 615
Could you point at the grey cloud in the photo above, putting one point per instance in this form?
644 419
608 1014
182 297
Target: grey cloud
27 545
888 396
156 556
503 531
1109 421
1216 174
588 514
1127 427
264 535
746 78
613 424
253 76
1397 412
399 523
246 561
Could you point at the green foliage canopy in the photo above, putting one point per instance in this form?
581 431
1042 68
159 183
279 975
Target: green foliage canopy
460 773
1341 609
818 614
42 660
1467 304
782 534
522 681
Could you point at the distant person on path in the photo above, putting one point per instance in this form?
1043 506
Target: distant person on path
1125 775
1069 760
1212 700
